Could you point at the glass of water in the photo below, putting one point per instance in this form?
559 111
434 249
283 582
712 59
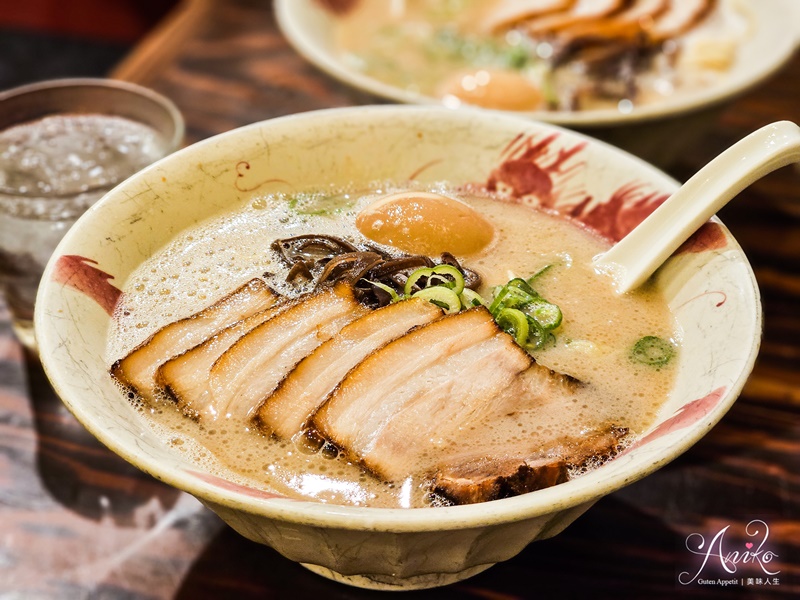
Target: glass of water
63 145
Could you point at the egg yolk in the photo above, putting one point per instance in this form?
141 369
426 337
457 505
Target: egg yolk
425 223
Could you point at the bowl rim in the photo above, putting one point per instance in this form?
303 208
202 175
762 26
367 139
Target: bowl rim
290 23
573 493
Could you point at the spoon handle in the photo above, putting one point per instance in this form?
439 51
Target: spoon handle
631 261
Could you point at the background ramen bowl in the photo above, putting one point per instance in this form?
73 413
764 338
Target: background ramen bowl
657 132
709 286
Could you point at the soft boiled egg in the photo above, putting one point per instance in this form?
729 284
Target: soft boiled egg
425 223
500 89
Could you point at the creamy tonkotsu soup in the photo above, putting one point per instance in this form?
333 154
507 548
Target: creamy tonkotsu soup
595 353
563 55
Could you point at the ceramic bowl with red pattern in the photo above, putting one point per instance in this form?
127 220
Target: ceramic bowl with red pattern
708 285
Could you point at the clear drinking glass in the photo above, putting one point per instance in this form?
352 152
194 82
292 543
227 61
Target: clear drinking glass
63 145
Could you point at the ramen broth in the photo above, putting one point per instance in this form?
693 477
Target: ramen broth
593 344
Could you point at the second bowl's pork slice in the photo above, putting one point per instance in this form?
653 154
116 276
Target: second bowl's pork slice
138 369
580 12
305 388
681 16
625 26
507 13
185 378
250 370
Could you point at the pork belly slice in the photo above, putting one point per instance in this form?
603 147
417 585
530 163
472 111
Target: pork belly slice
592 448
484 478
625 25
374 387
138 369
250 370
305 388
680 17
382 411
580 12
506 13
185 377
494 387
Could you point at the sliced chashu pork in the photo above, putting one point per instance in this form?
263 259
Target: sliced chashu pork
138 369
375 388
305 388
434 374
641 21
505 13
626 25
679 18
483 477
490 478
250 370
582 11
185 378
493 389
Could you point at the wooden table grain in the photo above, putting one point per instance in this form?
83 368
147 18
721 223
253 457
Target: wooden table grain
78 522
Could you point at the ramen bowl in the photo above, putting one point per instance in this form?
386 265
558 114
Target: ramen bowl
766 36
708 284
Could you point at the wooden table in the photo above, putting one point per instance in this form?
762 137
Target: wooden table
78 522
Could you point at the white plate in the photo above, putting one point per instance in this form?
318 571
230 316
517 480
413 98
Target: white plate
776 35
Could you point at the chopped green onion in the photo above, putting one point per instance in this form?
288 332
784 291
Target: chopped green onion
538 274
440 275
517 57
510 296
442 297
498 293
414 277
523 285
449 276
515 323
518 297
537 335
470 298
547 314
549 89
516 307
653 351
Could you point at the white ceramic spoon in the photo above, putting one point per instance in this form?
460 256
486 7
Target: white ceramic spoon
633 259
